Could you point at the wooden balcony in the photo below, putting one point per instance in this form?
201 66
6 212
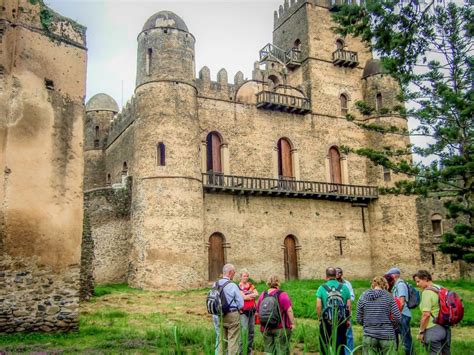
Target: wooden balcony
244 185
345 58
281 102
291 58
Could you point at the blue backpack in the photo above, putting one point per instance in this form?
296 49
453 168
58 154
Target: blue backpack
335 310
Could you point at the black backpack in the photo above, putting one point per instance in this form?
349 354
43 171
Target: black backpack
216 301
269 310
335 310
413 296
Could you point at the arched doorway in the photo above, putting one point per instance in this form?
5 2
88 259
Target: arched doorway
290 258
216 256
335 165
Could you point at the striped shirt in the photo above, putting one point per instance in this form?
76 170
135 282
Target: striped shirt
374 310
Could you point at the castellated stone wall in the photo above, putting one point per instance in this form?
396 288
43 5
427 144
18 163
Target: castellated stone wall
41 159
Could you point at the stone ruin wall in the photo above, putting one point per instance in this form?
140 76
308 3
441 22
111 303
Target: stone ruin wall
42 88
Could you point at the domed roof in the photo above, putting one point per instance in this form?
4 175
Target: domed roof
165 19
102 102
373 67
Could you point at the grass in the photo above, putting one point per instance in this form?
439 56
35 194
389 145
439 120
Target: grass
120 319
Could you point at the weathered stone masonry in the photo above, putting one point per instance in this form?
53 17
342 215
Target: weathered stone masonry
252 172
42 88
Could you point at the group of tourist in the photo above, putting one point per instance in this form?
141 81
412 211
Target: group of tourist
383 311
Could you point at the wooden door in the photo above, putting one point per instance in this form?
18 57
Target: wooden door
290 259
216 256
335 165
214 143
285 164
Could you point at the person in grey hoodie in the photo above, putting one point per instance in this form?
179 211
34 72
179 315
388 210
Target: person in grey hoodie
377 311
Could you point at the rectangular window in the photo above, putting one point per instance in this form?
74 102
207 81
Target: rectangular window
386 174
160 154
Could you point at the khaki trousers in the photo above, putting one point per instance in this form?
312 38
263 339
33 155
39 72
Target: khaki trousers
231 325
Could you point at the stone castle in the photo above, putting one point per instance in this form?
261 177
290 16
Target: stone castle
193 173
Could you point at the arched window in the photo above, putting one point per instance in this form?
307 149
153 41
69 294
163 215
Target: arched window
297 45
378 102
344 109
335 165
160 154
216 255
437 224
285 163
274 81
290 258
124 169
339 44
109 179
214 156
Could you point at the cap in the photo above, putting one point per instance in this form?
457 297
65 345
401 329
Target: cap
394 270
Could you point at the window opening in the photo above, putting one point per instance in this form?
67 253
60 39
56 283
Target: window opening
340 44
285 163
49 84
297 45
436 224
344 109
109 179
148 61
161 154
378 103
387 176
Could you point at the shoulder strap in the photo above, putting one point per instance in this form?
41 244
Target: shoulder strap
326 287
433 288
221 287
339 288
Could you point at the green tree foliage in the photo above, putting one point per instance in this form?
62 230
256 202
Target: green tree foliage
428 47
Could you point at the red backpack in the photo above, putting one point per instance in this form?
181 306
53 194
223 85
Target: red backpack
451 309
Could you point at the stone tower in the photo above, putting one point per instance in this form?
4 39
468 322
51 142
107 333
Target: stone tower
167 208
100 111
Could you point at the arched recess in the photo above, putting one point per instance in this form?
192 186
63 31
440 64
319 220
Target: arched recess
340 44
285 161
335 170
290 258
216 254
297 45
214 153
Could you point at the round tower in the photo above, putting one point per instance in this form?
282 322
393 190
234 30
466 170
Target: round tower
100 110
168 250
165 50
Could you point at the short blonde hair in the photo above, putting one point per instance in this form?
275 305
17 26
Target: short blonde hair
244 271
380 281
273 281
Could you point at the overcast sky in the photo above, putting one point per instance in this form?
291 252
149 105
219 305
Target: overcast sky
229 34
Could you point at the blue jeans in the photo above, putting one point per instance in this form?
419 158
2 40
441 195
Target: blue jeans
349 341
405 335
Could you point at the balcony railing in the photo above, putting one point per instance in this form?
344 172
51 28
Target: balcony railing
282 102
291 58
287 187
345 58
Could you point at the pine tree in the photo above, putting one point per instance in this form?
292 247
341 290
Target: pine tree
428 47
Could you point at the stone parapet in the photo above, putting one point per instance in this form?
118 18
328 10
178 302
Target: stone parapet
36 298
124 119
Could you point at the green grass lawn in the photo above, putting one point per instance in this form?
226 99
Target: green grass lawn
120 319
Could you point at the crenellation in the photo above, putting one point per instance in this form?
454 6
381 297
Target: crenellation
286 10
238 78
222 77
122 121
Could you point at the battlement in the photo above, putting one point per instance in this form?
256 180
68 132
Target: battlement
220 89
289 7
123 119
